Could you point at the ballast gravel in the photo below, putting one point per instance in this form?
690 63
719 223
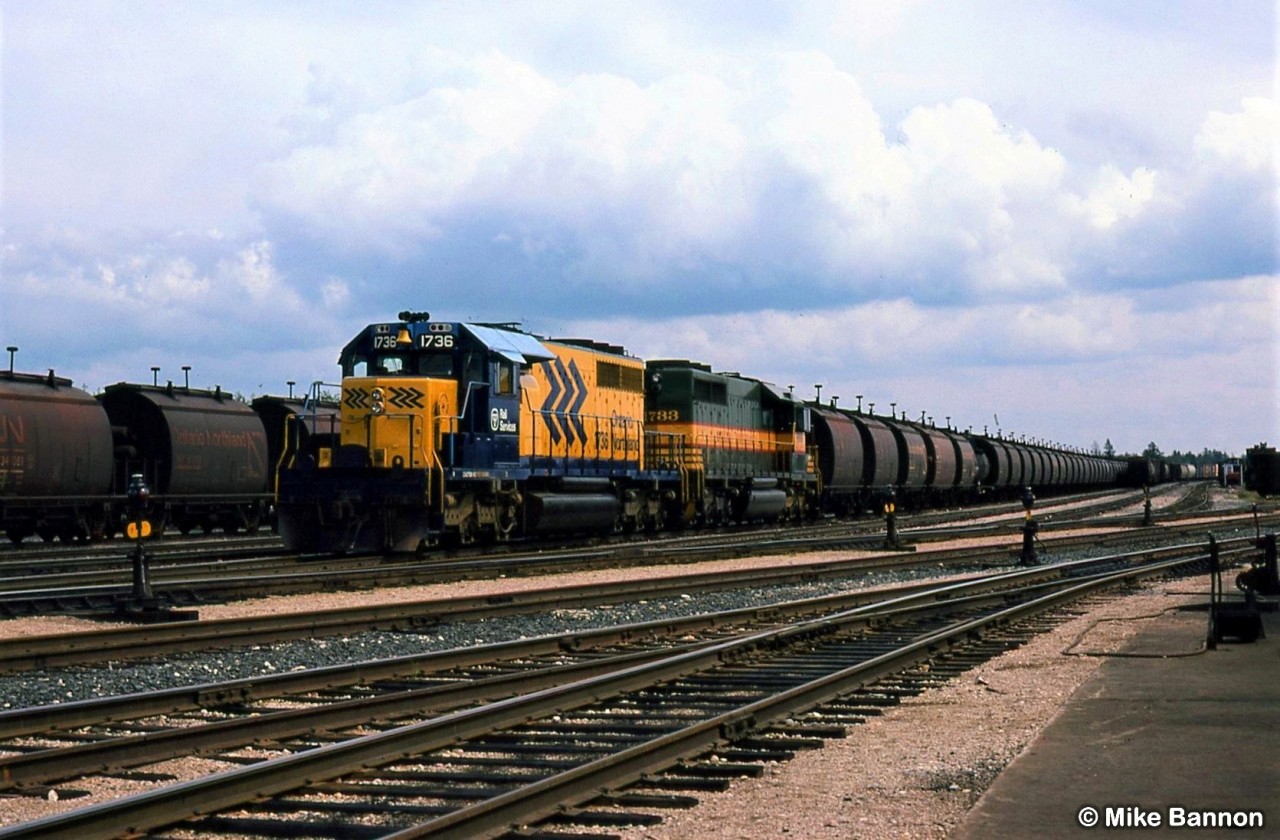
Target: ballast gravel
915 771
63 685
912 772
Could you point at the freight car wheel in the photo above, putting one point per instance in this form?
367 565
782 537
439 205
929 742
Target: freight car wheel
253 520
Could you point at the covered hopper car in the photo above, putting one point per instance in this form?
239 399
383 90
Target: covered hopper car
66 457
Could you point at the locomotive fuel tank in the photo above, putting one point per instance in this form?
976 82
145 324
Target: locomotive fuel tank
54 439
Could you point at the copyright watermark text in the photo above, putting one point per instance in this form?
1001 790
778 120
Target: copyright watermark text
1175 816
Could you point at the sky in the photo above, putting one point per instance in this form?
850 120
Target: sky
1053 218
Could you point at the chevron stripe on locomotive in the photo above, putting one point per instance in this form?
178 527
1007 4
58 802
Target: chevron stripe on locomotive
461 432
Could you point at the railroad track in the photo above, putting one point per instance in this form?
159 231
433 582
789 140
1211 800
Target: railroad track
110 556
477 742
183 580
189 581
26 653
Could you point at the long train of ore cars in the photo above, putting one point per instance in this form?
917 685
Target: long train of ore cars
460 431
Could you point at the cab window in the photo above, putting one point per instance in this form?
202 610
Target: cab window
438 366
473 368
506 378
391 365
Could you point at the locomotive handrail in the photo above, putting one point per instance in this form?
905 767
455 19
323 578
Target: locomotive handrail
597 422
431 457
288 453
779 452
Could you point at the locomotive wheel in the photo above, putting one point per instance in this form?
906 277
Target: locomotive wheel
467 531
657 522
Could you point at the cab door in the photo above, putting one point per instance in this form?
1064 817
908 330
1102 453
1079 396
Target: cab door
492 416
504 412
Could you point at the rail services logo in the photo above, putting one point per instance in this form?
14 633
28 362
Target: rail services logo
1174 816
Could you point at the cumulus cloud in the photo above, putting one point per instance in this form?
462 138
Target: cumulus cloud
1243 140
1116 196
786 190
752 177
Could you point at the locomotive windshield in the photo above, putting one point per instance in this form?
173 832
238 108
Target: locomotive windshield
440 366
472 354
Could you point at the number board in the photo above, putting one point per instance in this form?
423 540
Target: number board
435 341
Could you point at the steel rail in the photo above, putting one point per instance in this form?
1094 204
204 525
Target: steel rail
174 583
60 649
57 764
32 720
546 797
144 812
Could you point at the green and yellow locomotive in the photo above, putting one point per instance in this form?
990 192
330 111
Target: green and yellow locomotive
741 443
457 431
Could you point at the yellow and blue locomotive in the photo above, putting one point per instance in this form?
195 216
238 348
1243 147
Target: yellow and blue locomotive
457 431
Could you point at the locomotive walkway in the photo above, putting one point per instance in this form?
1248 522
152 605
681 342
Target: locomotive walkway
1156 729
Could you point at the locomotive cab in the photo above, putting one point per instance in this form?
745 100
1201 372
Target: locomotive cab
428 394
